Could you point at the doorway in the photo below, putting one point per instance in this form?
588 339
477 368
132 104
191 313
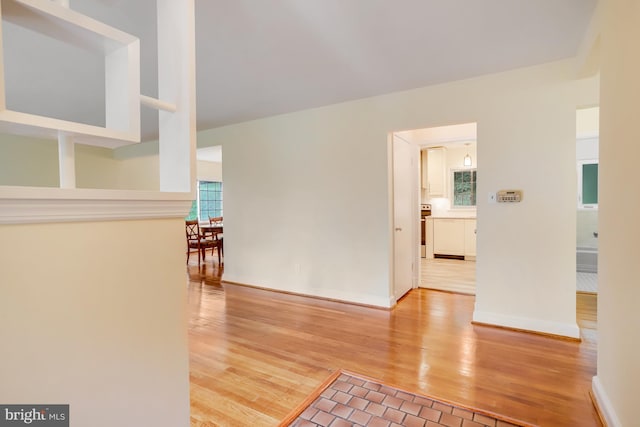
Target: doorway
447 181
587 163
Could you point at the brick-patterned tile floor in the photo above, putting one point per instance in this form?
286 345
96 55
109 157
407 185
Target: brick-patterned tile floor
351 401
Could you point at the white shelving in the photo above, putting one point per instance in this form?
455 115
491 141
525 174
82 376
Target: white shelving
177 138
122 74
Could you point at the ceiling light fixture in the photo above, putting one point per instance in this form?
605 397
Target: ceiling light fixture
467 158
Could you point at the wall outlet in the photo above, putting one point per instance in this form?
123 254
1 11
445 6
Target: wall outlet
492 197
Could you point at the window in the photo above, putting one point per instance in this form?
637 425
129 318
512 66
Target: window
209 201
464 188
588 184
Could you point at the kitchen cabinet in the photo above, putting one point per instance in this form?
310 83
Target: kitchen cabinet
470 237
436 168
454 236
448 236
424 180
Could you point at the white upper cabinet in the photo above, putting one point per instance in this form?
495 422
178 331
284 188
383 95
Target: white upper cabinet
436 172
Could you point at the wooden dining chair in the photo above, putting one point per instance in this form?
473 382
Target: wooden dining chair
195 240
217 238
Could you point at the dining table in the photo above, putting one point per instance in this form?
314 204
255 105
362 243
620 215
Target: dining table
213 229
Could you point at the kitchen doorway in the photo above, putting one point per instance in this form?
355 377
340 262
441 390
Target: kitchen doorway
448 183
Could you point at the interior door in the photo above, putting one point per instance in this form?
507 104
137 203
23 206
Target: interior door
404 215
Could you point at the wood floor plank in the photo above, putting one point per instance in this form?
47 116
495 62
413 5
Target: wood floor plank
255 355
452 275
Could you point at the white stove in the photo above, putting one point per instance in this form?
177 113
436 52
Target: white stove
425 211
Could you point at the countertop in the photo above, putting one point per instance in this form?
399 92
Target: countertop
451 217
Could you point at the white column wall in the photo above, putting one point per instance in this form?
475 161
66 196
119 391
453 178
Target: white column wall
87 318
616 385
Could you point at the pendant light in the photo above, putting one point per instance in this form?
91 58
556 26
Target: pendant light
467 158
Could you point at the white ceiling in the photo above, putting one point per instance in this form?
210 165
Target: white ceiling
257 58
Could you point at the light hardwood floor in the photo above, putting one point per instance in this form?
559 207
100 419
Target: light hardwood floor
255 354
448 275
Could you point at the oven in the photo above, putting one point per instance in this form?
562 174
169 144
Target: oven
425 211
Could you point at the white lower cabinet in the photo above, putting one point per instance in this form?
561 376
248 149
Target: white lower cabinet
454 236
448 236
470 237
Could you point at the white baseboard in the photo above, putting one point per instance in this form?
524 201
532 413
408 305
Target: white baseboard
328 294
570 330
604 404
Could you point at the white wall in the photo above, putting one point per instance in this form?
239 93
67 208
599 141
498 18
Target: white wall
306 194
617 383
526 251
587 148
209 171
138 167
294 187
587 122
90 320
95 167
28 161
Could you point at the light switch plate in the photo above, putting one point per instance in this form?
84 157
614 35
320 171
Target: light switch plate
492 197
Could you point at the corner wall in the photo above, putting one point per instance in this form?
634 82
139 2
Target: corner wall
88 318
616 385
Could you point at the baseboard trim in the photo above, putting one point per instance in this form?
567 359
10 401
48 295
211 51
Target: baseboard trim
299 294
603 404
449 291
596 407
540 327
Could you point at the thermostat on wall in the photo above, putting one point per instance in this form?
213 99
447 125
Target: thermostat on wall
509 196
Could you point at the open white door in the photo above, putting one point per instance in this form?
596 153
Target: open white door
404 215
